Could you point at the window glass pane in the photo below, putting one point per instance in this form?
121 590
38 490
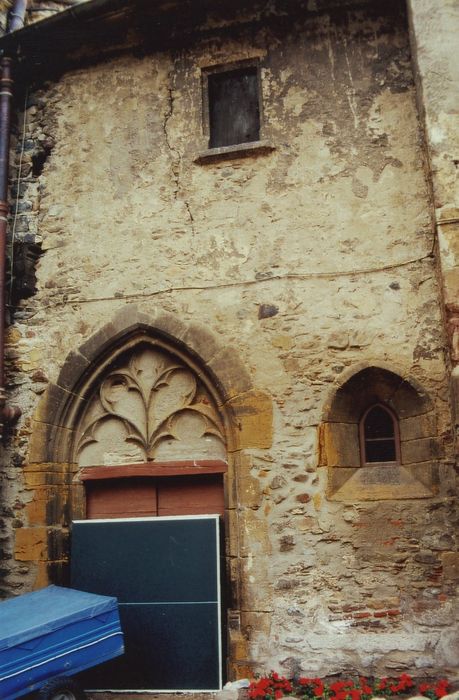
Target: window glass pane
234 114
378 424
380 451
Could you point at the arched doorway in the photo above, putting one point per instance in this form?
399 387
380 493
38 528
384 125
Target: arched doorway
151 452
151 440
59 459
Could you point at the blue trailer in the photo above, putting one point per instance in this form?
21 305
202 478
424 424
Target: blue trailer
48 636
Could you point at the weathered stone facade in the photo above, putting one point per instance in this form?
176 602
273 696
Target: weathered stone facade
299 281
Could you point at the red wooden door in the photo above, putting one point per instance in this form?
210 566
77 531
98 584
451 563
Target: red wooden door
126 494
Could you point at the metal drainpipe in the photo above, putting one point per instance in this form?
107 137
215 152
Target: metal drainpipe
8 414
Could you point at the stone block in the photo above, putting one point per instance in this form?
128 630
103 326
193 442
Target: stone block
170 325
451 285
238 647
42 575
77 501
72 370
47 474
201 341
381 482
253 412
259 621
410 400
417 427
338 340
39 442
56 572
47 505
98 342
250 492
31 544
129 315
230 373
283 342
255 589
51 404
49 443
339 445
422 450
248 534
450 562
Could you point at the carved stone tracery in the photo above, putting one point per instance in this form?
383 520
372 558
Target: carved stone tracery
150 406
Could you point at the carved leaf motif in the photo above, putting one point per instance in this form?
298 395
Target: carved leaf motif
121 396
109 441
174 391
153 400
212 417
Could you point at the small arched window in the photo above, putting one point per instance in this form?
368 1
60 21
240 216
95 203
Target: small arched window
379 436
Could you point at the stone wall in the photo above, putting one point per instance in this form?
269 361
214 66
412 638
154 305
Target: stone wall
311 260
437 75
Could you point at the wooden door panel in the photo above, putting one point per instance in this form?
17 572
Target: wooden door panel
121 498
191 496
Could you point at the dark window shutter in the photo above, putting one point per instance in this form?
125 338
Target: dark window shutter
234 111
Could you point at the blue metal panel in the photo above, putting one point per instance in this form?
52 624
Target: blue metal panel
54 632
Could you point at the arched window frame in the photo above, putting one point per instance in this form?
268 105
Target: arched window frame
363 439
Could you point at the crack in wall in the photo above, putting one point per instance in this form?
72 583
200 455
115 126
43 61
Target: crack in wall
176 156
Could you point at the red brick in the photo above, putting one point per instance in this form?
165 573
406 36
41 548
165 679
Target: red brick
361 615
393 613
380 613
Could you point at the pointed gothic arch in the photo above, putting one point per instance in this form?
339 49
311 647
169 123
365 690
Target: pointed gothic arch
245 421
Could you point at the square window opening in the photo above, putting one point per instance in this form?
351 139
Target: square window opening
233 106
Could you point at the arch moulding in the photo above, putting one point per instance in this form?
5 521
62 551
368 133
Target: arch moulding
247 412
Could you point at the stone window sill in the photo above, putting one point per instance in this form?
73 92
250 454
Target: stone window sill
240 150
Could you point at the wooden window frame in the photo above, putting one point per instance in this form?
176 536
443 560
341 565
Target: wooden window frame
363 439
246 148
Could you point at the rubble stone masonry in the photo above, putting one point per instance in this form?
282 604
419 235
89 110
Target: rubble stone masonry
284 272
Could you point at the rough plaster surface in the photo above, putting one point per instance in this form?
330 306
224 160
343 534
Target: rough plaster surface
437 75
309 260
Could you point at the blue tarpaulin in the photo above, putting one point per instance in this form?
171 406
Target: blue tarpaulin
54 632
40 612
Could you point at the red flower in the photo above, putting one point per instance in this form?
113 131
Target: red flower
337 686
424 686
442 688
406 680
304 681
